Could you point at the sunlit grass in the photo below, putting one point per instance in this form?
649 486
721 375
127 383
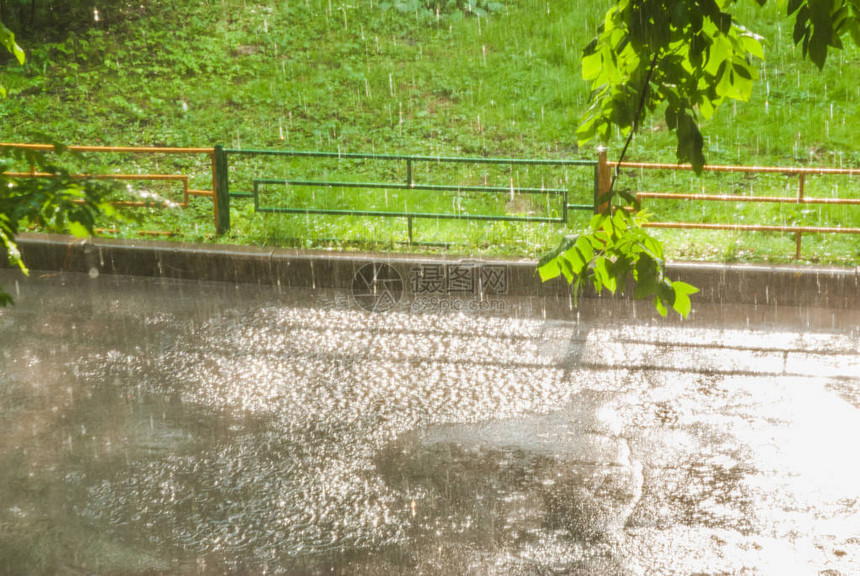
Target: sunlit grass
337 76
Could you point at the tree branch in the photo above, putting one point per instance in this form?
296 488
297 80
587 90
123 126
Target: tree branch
636 118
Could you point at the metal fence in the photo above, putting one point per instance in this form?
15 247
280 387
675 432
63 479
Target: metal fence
800 197
406 182
255 187
184 179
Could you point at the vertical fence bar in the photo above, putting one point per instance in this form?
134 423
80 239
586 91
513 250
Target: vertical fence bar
564 207
798 237
214 188
222 191
602 182
410 184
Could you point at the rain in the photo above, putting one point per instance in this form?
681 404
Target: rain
373 379
204 427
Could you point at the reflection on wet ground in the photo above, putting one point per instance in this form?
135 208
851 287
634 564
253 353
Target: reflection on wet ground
152 426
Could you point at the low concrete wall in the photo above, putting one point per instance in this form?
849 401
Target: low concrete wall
821 287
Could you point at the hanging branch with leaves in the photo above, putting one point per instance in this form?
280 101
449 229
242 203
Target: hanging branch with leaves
618 247
687 57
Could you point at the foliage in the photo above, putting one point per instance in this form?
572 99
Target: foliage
690 56
339 76
614 249
7 41
58 203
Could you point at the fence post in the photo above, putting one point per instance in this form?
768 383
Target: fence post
222 192
564 207
602 180
798 236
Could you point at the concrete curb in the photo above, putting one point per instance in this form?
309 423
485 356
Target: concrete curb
820 287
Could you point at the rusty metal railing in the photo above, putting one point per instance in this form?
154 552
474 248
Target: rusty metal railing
183 178
220 184
605 166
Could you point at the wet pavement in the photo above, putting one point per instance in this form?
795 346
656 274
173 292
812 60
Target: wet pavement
154 426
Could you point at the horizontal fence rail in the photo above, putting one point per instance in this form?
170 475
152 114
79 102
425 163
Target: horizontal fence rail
222 178
799 198
416 158
186 192
757 199
747 169
407 184
183 178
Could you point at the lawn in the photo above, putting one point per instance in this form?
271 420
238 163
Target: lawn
342 76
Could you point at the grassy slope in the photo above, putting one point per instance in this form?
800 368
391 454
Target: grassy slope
333 75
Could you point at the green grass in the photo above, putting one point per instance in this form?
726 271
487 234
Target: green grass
340 76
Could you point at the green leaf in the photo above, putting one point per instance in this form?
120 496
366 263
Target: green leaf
19 53
690 143
682 304
801 28
742 71
585 248
661 308
591 66
684 288
818 48
7 39
549 270
564 245
78 229
752 44
567 269
601 269
575 259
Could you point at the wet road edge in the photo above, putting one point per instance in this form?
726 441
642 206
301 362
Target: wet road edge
811 286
